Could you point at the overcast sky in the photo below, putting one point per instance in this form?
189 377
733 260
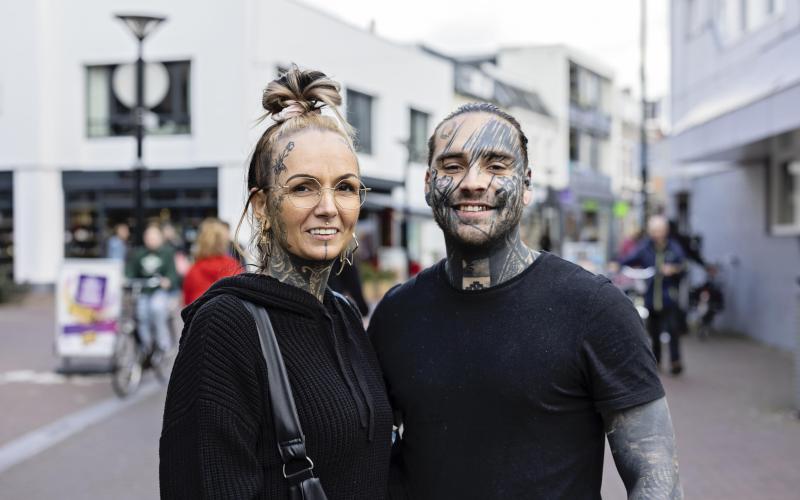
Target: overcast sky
606 29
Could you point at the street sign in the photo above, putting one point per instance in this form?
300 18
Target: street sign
88 307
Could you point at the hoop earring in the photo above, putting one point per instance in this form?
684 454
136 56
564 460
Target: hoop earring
346 257
265 242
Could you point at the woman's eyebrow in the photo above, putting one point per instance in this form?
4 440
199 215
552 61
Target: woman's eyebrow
309 176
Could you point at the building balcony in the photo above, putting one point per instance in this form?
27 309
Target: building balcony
589 120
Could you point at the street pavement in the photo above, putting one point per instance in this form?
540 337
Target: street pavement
737 434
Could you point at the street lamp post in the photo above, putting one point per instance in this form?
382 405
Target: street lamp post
141 26
643 130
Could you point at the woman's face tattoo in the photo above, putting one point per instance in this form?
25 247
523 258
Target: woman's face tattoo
476 182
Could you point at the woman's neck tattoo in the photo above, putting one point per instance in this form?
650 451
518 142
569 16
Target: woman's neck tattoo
477 269
309 275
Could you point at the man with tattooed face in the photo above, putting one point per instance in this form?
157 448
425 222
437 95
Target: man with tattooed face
506 367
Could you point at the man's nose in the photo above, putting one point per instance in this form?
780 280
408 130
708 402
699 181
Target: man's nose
474 180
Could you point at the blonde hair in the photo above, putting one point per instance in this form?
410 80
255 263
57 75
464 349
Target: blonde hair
213 239
312 91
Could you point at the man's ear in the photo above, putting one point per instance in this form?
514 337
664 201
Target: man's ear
527 195
428 186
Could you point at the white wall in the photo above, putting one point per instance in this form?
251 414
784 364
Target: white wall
397 77
546 71
710 76
234 48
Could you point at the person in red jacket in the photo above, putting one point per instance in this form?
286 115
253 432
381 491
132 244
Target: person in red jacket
212 261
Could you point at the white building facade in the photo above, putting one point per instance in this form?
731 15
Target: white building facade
736 150
594 141
65 146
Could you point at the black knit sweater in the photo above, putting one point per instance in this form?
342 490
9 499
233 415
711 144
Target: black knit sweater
218 436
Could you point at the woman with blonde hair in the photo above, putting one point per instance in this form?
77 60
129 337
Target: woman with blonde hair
212 261
220 436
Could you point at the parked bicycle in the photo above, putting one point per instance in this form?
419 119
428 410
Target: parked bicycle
131 356
633 283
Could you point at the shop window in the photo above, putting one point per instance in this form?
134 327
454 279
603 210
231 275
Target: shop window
574 145
359 114
418 137
95 201
6 226
107 115
785 197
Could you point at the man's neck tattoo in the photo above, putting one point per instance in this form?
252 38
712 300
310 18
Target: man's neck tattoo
309 275
477 269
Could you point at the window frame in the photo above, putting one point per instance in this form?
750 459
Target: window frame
368 147
123 119
417 153
773 195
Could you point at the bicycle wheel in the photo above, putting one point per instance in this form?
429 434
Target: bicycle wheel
127 373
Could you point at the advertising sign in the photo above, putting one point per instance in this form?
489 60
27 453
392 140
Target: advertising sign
88 307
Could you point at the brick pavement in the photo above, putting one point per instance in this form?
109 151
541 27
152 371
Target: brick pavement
732 408
737 433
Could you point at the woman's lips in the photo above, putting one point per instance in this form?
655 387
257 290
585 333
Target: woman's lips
323 234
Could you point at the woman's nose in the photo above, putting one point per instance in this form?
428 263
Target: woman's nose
327 204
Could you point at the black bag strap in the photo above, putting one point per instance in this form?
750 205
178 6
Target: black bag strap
288 432
348 303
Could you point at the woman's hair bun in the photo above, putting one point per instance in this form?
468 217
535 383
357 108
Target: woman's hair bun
310 89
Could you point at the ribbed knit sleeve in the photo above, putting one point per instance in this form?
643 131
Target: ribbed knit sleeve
213 412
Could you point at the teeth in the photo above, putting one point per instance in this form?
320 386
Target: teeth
472 208
323 231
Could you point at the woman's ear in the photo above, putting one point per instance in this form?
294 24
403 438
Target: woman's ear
259 203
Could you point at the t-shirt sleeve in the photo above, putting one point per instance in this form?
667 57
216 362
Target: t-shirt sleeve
619 366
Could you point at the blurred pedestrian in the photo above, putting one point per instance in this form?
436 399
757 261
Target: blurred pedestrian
630 243
154 260
212 261
664 255
117 244
222 437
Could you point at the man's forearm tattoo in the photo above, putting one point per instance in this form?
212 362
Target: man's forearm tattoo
643 444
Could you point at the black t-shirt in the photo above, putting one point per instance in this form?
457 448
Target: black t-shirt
500 390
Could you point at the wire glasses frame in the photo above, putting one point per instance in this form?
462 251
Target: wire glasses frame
306 192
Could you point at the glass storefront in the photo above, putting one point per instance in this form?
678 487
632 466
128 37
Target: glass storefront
96 201
6 225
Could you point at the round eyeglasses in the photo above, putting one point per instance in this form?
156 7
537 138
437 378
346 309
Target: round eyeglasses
306 192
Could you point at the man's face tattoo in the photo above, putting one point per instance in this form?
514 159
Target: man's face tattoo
476 183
